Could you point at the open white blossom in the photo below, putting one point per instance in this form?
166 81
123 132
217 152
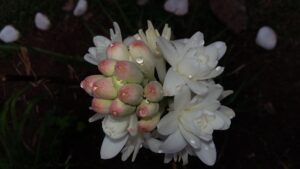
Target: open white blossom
191 63
177 7
192 121
9 34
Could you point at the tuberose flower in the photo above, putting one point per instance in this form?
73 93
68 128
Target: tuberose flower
192 122
191 63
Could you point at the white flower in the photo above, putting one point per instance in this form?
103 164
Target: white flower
266 38
41 21
80 8
191 63
192 122
149 37
177 7
9 34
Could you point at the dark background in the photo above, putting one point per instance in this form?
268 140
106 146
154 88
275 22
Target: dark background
43 120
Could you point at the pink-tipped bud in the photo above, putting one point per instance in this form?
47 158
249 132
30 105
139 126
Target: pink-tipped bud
104 89
88 83
128 71
107 67
147 109
153 91
101 105
143 57
117 51
120 109
149 124
131 94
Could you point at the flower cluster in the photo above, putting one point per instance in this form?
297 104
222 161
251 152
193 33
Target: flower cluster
171 108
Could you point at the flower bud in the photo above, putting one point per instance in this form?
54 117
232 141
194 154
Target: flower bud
120 109
88 83
147 109
101 105
104 89
147 125
131 94
117 51
128 71
107 67
143 57
153 91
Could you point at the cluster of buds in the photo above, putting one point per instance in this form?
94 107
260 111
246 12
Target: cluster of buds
130 94
121 90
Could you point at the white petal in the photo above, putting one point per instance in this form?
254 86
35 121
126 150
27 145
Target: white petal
168 158
212 74
127 151
228 111
198 87
174 143
41 21
153 144
178 7
189 66
111 147
266 38
133 122
101 41
96 117
182 98
193 140
160 66
9 34
207 154
168 51
80 8
168 124
115 35
115 128
173 83
216 49
91 59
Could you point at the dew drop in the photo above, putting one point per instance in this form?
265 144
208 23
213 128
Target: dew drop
139 60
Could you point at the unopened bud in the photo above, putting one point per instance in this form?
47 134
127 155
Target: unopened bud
101 105
147 109
143 57
131 94
117 51
104 89
128 71
120 109
88 83
153 91
147 125
107 67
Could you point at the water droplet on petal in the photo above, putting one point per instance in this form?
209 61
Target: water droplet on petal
139 60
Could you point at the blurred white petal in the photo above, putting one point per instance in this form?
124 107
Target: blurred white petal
41 21
182 98
9 34
81 7
207 153
115 127
173 83
177 7
168 124
266 38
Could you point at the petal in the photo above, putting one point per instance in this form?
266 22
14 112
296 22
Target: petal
216 49
115 127
153 144
168 158
133 123
228 111
207 154
91 59
111 147
182 99
174 143
168 124
127 151
95 117
193 140
101 41
173 82
189 67
198 87
168 50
